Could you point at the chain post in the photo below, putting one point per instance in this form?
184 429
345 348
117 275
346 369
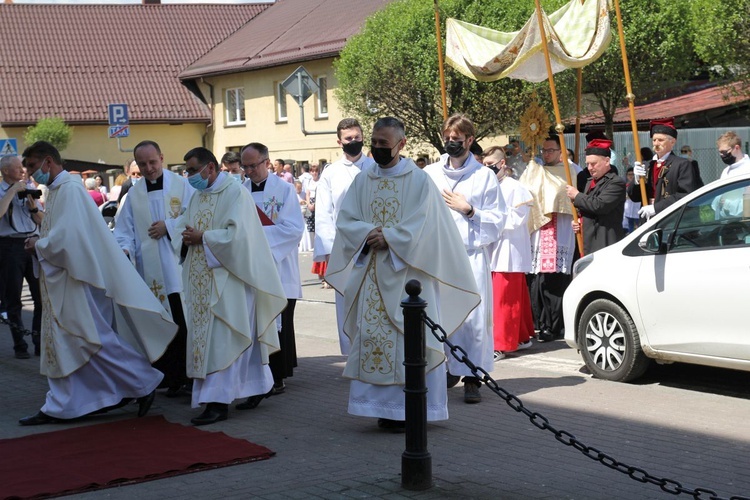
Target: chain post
416 462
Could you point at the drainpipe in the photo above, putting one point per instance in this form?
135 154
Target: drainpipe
211 107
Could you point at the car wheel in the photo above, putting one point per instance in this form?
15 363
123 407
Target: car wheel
609 342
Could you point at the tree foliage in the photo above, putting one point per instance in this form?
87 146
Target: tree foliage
53 130
391 68
660 52
722 35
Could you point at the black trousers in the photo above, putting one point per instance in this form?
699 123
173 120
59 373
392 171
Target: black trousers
283 362
172 363
15 265
546 292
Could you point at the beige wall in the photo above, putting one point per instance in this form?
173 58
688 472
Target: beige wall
91 142
284 139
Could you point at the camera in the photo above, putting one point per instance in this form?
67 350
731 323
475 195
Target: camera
35 193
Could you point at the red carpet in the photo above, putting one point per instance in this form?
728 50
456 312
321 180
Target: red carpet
113 454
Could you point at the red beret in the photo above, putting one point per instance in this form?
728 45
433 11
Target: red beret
599 147
663 126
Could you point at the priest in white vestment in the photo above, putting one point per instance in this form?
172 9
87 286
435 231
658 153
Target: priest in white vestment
101 327
473 196
144 229
283 226
393 227
552 239
232 294
333 184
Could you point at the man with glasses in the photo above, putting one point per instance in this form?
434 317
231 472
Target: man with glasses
19 219
101 325
134 174
394 226
552 239
144 229
232 295
283 226
333 185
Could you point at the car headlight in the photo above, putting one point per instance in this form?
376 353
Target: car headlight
582 264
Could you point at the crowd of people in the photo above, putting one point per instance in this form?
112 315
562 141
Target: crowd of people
180 295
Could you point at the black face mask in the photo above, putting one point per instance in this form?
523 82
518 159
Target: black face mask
454 148
382 156
353 148
728 158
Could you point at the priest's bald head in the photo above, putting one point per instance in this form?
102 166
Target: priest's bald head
254 158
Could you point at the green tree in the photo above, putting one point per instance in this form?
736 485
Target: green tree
53 130
391 68
660 52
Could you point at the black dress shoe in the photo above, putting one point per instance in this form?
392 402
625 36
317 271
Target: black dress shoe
546 336
254 401
144 403
213 413
395 426
39 418
176 392
22 355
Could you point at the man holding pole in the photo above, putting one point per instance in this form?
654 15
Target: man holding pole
668 177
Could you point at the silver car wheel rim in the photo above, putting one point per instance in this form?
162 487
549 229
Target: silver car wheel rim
605 341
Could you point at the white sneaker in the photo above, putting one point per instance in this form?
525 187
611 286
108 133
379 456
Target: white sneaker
498 355
524 345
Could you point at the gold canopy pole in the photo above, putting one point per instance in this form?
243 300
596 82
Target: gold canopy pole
559 127
440 61
631 99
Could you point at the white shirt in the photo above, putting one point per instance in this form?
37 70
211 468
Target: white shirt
741 167
512 252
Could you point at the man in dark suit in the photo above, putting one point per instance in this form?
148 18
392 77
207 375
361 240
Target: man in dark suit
602 203
668 177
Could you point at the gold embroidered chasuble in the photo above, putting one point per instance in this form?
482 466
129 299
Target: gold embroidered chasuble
424 244
220 327
78 251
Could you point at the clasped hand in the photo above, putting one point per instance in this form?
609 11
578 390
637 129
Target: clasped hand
191 236
375 239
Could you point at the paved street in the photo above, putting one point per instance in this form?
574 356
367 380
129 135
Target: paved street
684 423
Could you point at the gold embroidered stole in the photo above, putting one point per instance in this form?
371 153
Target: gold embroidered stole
153 273
200 284
379 355
49 353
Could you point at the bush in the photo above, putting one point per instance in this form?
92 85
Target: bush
53 130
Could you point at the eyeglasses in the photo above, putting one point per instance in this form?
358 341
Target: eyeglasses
193 171
551 150
725 153
252 166
135 174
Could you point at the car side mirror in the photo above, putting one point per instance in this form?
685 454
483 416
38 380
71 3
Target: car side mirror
652 242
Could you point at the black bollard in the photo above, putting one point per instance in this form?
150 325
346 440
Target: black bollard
416 462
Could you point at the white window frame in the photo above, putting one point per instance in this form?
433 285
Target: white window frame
322 97
282 114
235 116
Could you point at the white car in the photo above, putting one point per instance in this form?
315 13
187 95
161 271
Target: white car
676 289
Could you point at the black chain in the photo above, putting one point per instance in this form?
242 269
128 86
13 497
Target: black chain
5 321
566 438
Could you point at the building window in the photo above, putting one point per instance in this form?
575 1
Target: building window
235 105
322 97
281 115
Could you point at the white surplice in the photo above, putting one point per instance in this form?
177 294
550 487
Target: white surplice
232 295
101 326
480 188
512 252
405 203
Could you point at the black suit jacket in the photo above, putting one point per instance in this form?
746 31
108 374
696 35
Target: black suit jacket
601 210
679 178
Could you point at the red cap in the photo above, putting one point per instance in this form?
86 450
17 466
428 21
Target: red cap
663 126
599 147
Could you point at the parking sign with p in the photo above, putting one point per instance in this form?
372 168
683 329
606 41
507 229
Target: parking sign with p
118 114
